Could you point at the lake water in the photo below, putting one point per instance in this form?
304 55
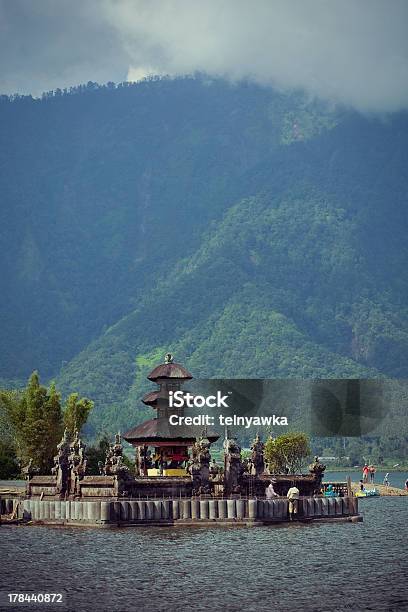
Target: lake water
294 567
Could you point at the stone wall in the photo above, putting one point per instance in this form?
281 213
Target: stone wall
177 511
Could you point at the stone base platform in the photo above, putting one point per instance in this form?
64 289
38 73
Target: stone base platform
178 512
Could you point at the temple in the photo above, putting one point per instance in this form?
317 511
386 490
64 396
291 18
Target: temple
163 449
174 481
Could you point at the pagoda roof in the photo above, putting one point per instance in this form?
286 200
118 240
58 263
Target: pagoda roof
150 398
170 370
160 430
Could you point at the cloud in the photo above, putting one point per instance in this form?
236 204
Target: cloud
347 51
45 44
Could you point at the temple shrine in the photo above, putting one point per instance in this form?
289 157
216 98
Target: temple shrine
174 480
163 449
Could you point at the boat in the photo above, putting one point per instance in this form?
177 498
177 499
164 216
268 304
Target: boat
368 493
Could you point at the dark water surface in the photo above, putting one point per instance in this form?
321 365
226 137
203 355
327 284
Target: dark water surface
297 567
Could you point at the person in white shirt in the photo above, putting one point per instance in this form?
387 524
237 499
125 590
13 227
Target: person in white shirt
293 497
270 491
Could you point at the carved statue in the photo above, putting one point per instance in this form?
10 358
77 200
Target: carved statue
114 460
61 464
257 456
214 470
29 470
233 467
316 468
168 358
77 463
200 466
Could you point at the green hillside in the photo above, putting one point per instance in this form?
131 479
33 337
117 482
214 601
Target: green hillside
253 234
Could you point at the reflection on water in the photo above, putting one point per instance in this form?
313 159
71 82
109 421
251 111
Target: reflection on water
296 567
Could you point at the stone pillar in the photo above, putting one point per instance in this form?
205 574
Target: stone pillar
117 511
105 511
222 508
240 505
141 510
125 511
195 509
57 509
34 509
204 509
26 510
166 509
186 506
278 508
175 509
310 507
46 509
353 505
318 506
268 509
63 514
253 509
231 509
325 506
68 510
149 510
157 510
134 511
212 509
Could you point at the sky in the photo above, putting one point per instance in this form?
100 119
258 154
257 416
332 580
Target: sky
352 52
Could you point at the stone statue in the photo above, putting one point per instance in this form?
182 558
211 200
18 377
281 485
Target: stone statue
114 460
168 358
214 470
200 466
77 463
257 456
317 469
61 464
233 467
29 470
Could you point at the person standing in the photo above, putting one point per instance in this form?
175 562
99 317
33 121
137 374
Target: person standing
270 491
365 473
406 484
372 473
386 482
293 497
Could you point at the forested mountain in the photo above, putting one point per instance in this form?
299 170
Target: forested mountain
251 233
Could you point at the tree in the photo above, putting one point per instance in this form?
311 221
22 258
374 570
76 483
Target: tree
31 423
41 416
287 453
76 412
54 424
9 465
96 454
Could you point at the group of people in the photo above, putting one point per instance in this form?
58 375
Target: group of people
368 473
292 495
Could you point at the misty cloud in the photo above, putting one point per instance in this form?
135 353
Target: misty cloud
352 52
